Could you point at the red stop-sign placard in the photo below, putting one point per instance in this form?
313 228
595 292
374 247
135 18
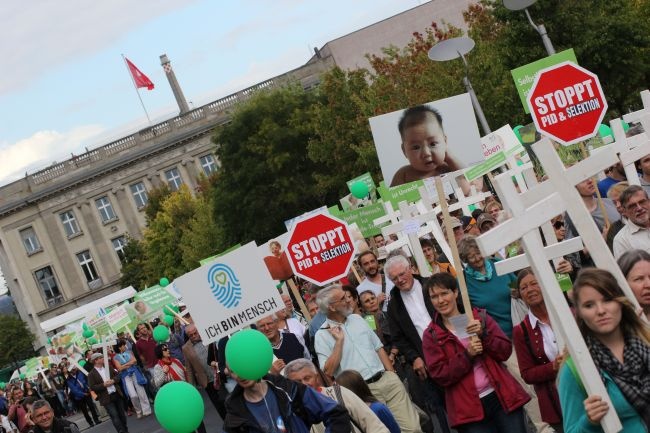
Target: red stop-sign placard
320 249
567 103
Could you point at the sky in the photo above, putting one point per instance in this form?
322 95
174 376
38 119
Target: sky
65 87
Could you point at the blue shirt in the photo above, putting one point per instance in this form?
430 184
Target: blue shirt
267 413
572 397
386 416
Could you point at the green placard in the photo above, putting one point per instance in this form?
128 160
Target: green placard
365 178
211 259
31 366
154 299
478 170
524 76
364 218
409 192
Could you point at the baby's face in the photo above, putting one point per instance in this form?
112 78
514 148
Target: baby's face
425 145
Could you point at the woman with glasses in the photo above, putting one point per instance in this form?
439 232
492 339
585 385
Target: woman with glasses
132 379
167 369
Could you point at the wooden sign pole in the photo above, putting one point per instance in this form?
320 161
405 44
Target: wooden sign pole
296 294
454 249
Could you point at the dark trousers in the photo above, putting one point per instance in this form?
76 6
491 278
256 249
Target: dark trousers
429 397
115 409
218 399
88 407
59 411
496 419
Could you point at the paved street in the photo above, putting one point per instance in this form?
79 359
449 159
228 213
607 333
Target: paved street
148 424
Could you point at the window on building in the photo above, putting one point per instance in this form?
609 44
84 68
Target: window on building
208 163
30 241
118 245
174 179
69 222
105 209
139 194
87 266
49 287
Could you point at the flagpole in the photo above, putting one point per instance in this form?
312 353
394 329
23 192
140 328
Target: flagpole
136 89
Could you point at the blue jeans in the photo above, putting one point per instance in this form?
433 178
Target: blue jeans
116 412
496 420
64 402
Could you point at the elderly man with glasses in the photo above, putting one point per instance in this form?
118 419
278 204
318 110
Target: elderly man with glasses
346 342
46 422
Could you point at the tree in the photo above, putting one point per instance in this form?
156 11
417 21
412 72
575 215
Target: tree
16 340
266 175
134 265
156 197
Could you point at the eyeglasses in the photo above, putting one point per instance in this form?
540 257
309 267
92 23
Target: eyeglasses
165 349
342 298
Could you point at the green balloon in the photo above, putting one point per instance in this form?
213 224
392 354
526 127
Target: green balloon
359 189
249 354
169 320
49 341
517 133
160 333
92 341
604 131
82 363
85 326
179 407
3 385
22 376
88 333
164 282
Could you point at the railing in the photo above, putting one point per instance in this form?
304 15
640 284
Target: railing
211 110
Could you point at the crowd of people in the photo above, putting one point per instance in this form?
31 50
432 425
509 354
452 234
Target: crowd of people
387 349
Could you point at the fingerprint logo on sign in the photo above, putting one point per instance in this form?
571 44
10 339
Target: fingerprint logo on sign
224 285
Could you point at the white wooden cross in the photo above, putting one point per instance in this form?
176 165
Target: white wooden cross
104 346
410 225
392 216
79 367
559 180
42 371
553 250
524 224
426 205
633 148
636 115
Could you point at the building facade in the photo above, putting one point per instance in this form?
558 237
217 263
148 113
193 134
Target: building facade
63 228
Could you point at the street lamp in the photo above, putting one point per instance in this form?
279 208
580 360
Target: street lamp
450 49
517 5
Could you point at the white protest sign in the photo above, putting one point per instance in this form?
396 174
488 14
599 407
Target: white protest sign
118 318
230 293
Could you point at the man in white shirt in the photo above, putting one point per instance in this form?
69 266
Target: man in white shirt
346 342
409 315
108 393
635 234
375 281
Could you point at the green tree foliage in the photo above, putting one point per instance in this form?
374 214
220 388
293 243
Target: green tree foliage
134 265
156 197
16 340
266 176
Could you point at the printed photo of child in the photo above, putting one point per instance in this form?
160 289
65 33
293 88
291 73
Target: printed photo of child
434 138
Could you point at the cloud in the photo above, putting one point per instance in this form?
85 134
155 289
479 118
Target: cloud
42 148
48 34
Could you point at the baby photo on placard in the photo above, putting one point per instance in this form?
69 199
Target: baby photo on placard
427 140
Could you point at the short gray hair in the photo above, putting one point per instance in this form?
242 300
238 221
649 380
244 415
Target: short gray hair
396 260
466 246
39 404
628 192
324 297
298 364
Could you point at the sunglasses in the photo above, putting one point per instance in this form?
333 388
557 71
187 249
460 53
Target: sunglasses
165 348
558 224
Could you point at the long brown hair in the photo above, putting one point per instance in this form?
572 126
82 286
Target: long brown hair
605 284
352 380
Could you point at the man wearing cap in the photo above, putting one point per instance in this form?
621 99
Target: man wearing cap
485 222
108 392
469 226
456 226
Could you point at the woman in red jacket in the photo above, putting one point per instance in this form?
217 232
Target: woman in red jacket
537 351
481 395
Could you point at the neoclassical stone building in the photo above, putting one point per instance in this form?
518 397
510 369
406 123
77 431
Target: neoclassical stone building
63 228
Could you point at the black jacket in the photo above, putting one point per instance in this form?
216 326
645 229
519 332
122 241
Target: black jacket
402 330
59 425
300 407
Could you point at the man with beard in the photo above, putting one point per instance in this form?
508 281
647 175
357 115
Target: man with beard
375 281
635 235
346 342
